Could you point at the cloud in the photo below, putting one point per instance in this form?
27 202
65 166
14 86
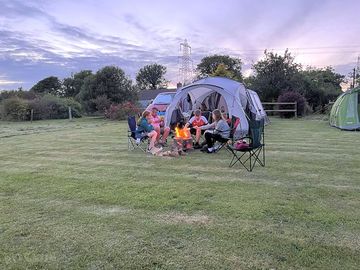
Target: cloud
132 21
6 82
35 57
42 38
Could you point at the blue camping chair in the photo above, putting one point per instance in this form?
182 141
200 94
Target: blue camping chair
132 136
253 154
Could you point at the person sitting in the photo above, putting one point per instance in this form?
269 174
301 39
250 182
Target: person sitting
197 121
157 123
226 118
219 131
145 128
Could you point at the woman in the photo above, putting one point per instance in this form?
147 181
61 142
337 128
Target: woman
219 131
145 128
158 125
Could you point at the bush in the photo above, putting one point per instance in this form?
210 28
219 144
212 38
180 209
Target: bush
102 103
292 96
308 110
89 107
121 111
76 109
52 107
28 95
14 109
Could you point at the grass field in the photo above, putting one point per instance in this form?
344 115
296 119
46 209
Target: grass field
72 196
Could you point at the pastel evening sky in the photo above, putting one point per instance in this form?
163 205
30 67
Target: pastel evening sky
44 38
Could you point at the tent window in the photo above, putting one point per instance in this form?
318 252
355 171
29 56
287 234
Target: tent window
350 112
212 102
338 105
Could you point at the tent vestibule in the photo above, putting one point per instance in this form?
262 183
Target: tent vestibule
345 112
221 93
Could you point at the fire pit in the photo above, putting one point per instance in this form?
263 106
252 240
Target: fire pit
183 139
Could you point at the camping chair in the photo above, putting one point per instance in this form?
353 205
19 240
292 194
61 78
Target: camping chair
233 127
132 144
207 115
255 152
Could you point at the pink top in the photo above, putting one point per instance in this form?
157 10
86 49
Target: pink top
155 121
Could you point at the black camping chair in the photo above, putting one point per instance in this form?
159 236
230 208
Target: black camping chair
132 143
231 138
207 115
255 153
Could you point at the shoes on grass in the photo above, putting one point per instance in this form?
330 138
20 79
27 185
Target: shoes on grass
211 150
208 150
162 143
197 146
217 146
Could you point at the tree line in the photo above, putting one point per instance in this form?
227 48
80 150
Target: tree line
274 77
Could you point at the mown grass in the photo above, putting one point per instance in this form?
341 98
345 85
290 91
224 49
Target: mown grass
72 196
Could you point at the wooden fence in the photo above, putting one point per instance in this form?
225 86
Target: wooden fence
275 107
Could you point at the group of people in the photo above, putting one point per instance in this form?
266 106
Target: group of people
152 126
218 130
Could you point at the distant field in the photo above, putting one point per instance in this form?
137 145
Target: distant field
72 196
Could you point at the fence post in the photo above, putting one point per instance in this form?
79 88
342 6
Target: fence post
32 115
295 109
70 115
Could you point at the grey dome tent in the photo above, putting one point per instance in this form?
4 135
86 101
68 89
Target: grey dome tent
231 95
256 103
345 113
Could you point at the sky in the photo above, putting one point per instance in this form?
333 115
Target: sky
56 38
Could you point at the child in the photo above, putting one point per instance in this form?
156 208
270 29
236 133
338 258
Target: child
197 121
145 128
157 124
226 118
219 130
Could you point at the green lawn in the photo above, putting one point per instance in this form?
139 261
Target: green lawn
72 196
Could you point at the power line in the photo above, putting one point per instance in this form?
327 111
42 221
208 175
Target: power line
296 48
357 72
186 63
320 50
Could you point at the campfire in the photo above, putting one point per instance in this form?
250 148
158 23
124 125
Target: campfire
182 143
183 137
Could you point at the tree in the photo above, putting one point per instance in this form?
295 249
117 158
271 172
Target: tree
49 85
292 96
275 74
223 71
109 82
321 86
73 84
210 64
151 76
20 93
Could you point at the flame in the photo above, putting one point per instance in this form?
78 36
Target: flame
183 133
